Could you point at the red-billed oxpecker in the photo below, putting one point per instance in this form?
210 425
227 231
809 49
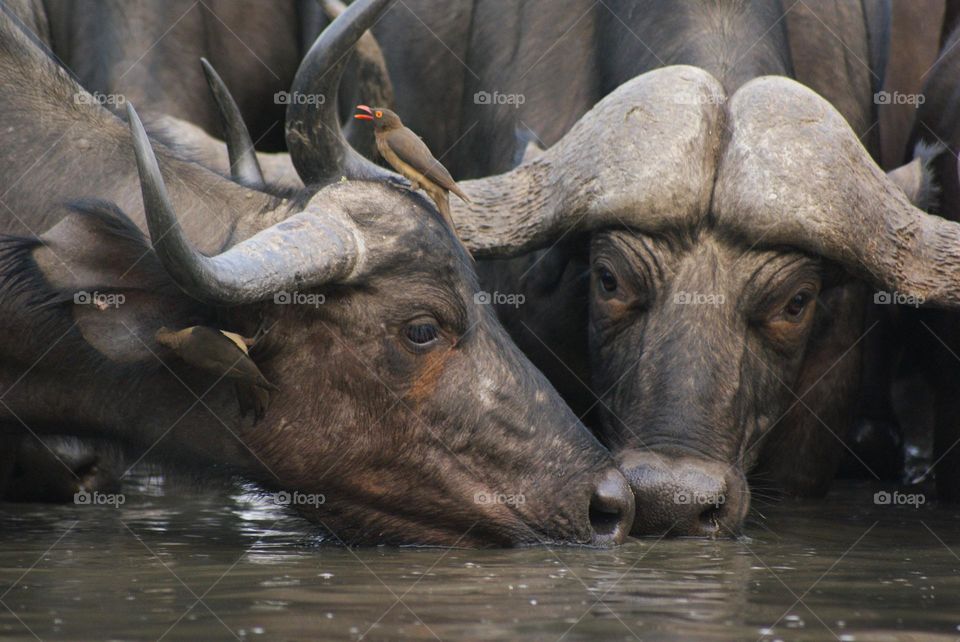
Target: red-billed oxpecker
409 155
223 354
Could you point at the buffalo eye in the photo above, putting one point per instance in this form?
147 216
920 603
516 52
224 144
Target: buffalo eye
607 280
797 305
421 334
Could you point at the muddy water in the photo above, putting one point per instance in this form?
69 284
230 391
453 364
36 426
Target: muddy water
222 566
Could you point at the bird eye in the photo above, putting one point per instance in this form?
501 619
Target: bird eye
421 334
607 280
379 114
795 308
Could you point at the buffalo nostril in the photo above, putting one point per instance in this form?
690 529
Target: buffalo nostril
681 495
611 509
710 519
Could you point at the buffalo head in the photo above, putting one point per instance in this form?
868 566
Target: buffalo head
732 242
398 399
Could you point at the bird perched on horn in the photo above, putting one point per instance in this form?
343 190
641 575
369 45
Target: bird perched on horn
410 156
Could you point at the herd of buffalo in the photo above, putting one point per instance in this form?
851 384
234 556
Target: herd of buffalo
678 271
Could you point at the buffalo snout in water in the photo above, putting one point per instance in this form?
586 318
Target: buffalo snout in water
611 509
685 495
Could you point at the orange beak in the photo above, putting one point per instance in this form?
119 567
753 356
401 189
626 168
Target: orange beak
366 116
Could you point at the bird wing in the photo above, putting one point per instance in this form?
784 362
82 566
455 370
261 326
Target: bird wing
221 353
237 340
244 369
415 153
239 365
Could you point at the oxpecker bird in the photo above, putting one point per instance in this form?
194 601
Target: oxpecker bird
224 354
411 157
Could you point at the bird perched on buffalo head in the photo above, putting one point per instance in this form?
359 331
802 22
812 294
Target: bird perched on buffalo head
411 157
224 355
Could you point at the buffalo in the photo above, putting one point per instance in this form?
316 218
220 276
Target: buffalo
399 400
105 43
726 338
685 337
109 44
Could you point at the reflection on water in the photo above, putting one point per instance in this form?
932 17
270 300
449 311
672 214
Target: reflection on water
215 566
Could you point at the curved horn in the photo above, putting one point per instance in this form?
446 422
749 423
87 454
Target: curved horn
644 157
317 146
373 84
794 173
244 167
302 251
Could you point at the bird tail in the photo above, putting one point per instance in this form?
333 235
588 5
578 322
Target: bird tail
263 383
459 192
443 204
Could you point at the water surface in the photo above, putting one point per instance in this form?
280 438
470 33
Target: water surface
204 566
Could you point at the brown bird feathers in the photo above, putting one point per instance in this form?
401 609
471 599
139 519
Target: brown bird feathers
411 158
223 354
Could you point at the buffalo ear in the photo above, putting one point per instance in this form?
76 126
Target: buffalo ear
104 274
916 178
909 178
120 324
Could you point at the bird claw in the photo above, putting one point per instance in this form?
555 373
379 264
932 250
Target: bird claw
261 332
403 183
